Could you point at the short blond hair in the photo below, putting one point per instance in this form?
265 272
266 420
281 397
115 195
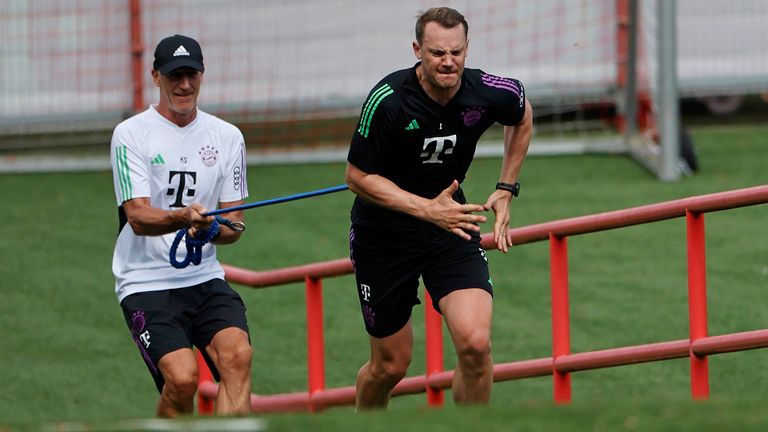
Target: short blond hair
445 16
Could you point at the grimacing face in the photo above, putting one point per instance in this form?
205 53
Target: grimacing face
442 53
179 90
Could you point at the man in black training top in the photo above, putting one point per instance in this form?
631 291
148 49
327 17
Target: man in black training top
413 146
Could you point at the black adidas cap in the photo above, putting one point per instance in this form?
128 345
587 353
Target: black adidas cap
178 51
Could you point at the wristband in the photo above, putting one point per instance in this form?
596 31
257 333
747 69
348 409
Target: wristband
513 188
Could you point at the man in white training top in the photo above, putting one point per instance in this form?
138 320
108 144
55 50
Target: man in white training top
171 163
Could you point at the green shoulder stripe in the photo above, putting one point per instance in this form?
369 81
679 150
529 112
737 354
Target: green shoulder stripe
370 107
123 173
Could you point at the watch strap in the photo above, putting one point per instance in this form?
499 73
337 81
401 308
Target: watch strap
513 188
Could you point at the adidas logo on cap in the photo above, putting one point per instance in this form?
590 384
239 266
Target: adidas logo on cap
181 51
176 52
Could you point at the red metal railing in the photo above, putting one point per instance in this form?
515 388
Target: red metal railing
697 347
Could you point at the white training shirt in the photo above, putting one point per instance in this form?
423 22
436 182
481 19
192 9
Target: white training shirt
203 162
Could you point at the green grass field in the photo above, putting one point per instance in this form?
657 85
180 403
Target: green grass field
68 356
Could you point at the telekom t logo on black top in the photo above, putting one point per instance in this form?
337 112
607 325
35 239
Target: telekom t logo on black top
436 147
182 183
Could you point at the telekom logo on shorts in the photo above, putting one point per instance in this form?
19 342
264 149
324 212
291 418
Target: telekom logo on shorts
365 291
144 338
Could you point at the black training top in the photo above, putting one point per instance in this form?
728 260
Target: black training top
422 146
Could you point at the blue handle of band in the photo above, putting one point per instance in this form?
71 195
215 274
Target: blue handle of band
194 246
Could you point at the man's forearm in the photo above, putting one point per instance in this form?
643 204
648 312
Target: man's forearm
385 193
150 221
516 142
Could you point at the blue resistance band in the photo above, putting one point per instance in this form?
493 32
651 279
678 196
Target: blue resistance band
194 245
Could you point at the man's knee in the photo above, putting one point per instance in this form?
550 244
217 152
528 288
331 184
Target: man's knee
235 358
393 367
181 385
474 351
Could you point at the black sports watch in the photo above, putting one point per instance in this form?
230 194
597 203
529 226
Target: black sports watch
513 188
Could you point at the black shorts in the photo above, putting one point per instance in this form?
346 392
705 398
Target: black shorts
388 265
165 321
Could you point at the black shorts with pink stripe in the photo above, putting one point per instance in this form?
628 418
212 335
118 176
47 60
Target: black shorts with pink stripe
165 321
388 265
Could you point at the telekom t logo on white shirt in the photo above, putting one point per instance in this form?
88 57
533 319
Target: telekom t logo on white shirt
178 191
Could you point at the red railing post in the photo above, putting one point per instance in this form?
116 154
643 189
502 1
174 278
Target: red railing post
433 324
561 334
137 52
204 405
315 344
622 49
697 301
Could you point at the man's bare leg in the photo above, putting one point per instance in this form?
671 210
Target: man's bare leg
179 369
390 358
232 354
468 314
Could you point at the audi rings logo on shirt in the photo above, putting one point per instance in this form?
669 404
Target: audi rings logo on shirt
236 178
208 155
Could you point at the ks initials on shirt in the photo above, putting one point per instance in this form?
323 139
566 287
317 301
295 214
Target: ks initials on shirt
436 147
181 186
